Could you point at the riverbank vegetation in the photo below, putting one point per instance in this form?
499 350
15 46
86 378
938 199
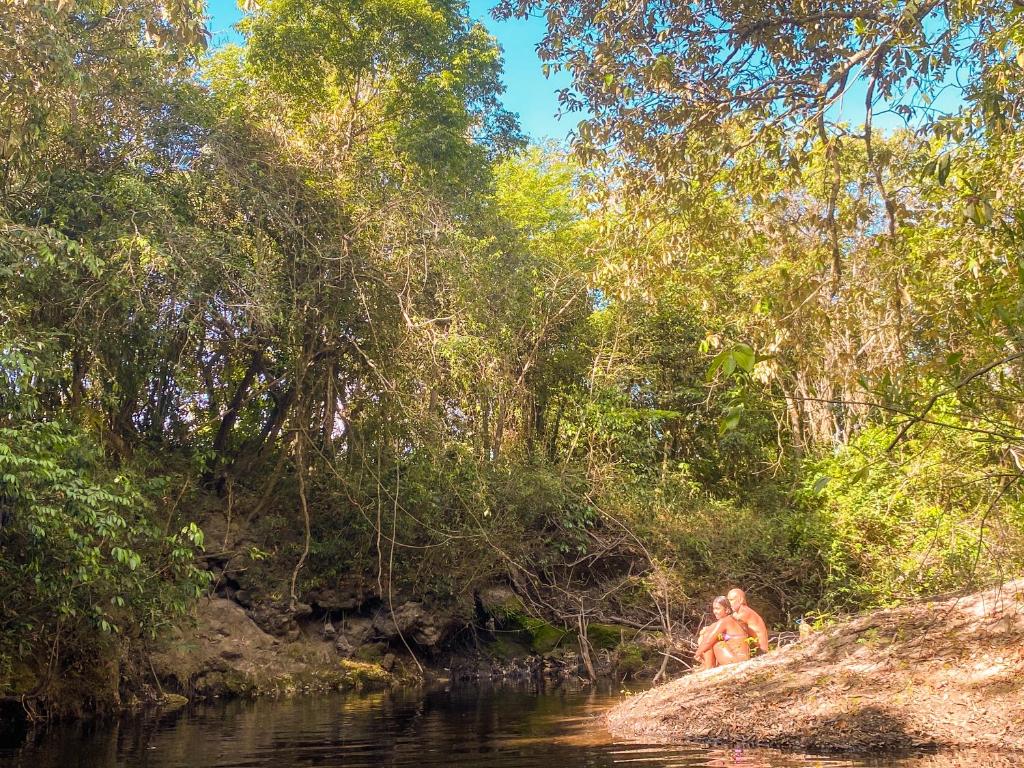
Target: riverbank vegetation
305 322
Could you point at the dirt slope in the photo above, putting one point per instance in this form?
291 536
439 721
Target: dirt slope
943 673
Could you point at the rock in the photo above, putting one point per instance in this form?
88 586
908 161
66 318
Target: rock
356 630
371 651
329 632
388 662
222 652
348 593
416 622
279 618
344 647
244 598
224 639
499 602
172 701
352 634
629 660
606 636
364 676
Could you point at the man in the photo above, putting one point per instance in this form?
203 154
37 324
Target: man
747 615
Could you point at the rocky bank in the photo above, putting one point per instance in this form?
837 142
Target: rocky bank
944 673
346 637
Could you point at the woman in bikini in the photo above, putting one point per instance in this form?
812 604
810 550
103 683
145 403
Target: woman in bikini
725 641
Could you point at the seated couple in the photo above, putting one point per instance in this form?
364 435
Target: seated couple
736 628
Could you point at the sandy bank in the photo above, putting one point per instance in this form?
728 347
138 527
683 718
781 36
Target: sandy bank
941 673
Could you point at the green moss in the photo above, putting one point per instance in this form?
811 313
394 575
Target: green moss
630 659
604 636
170 701
21 679
506 646
544 637
509 610
520 633
365 676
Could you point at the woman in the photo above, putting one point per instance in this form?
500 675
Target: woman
725 641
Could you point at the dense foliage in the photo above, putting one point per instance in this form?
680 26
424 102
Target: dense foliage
313 295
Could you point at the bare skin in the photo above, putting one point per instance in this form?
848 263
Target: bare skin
723 642
749 617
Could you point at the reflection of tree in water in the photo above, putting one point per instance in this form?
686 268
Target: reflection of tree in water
468 727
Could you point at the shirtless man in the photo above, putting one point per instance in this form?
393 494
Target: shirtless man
747 615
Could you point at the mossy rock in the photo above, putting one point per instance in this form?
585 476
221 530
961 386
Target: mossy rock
520 633
512 609
506 646
501 603
370 652
228 683
172 701
240 684
544 637
365 675
604 636
629 659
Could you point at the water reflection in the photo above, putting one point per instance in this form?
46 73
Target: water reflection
466 727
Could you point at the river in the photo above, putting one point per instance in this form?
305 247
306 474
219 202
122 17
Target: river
466 727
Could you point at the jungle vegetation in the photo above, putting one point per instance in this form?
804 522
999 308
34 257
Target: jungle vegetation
319 284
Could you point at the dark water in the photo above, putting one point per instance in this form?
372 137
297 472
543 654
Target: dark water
466 727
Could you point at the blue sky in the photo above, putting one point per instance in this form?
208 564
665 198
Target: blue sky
528 93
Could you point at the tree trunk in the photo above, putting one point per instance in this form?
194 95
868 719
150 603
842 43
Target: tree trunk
227 422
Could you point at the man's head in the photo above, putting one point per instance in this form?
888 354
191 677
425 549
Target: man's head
737 598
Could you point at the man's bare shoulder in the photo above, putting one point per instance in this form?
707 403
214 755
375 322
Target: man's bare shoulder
747 612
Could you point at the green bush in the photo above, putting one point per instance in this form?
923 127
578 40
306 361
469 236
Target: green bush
913 521
83 564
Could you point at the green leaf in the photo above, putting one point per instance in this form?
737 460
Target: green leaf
662 69
730 421
729 364
942 169
985 213
819 484
716 364
744 356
